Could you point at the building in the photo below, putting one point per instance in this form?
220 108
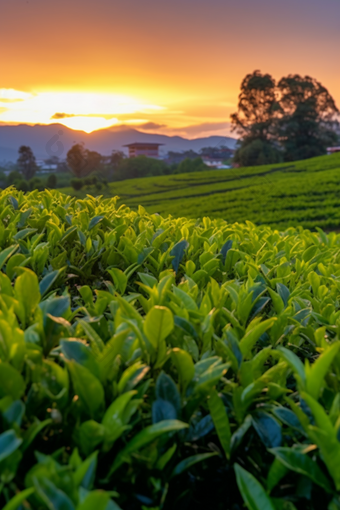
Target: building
331 150
150 150
215 163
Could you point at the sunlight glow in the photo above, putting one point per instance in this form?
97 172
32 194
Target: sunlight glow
83 111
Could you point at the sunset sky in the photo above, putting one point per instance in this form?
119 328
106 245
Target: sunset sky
170 66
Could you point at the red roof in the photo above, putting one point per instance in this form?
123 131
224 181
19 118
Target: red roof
141 144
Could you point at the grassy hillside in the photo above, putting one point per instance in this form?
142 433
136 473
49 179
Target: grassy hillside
300 193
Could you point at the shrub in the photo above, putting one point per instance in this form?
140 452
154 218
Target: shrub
36 183
257 152
51 181
196 358
13 176
77 184
22 185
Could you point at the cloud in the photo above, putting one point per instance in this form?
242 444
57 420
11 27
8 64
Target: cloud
13 96
151 126
204 127
59 116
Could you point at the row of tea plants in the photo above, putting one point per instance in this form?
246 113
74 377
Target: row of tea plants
154 363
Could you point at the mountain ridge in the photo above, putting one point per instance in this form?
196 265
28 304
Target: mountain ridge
56 139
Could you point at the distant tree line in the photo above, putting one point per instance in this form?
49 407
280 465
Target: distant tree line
293 119
91 169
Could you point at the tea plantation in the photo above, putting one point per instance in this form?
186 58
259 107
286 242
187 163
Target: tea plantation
160 363
303 193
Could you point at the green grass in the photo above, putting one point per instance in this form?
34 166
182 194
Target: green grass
300 193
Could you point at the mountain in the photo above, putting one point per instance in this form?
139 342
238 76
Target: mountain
56 139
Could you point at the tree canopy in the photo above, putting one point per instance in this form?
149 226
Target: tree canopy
306 126
82 161
289 120
26 162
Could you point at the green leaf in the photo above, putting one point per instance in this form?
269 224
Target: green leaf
302 464
187 463
48 281
165 458
178 252
167 390
221 421
225 248
88 388
253 494
158 324
319 369
145 437
276 472
89 435
7 253
253 333
54 498
16 501
27 291
119 278
77 351
85 473
9 442
294 362
185 366
96 500
11 381
96 341
94 221
283 292
113 418
268 429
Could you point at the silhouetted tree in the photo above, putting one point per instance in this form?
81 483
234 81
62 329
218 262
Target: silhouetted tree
82 161
26 162
257 107
258 110
116 158
308 119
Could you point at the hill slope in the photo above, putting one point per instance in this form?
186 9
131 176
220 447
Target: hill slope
303 193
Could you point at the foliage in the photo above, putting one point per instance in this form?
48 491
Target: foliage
21 185
257 107
13 176
26 162
151 362
141 166
190 165
77 184
82 161
257 152
51 181
304 193
306 128
36 183
294 119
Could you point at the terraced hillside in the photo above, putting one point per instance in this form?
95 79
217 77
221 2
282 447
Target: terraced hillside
301 193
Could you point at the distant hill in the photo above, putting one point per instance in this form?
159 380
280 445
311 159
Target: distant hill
58 139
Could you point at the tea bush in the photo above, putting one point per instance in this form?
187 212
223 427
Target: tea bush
302 193
159 363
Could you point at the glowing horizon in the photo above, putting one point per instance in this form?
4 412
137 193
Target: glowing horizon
175 67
